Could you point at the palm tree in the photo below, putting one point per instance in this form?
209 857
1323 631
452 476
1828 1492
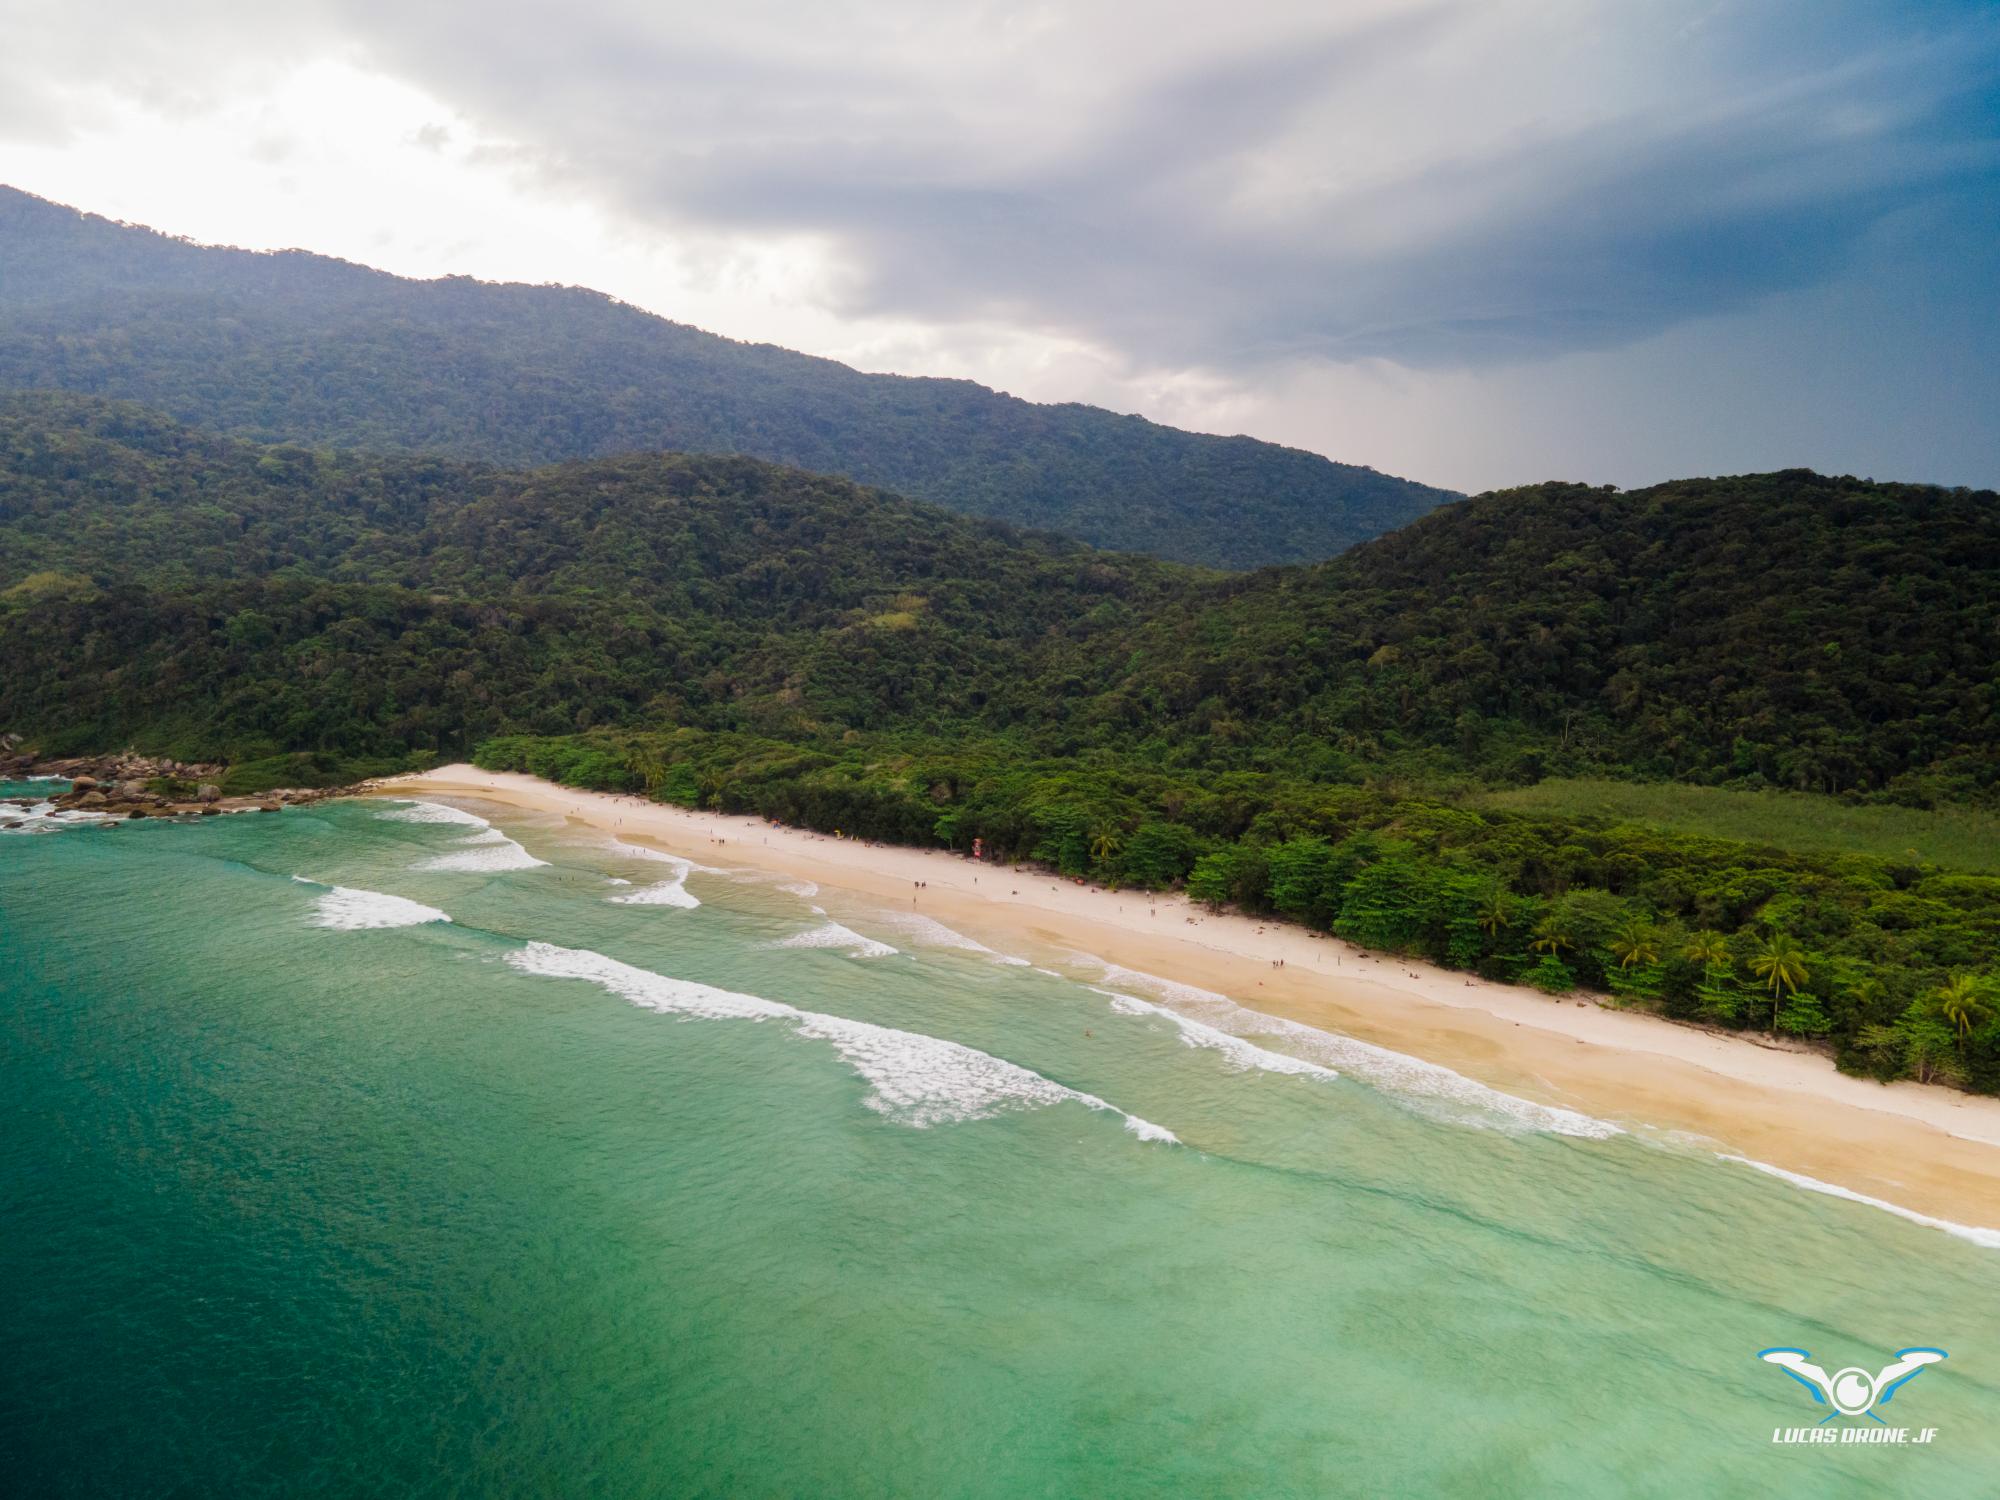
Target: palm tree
1637 942
1781 964
651 769
1495 916
1103 846
1961 1002
1708 948
1551 935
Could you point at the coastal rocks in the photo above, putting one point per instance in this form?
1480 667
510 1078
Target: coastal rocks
126 766
137 786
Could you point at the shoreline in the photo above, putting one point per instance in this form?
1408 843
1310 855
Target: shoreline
1916 1147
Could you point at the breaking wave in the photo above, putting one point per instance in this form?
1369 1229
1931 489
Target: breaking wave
432 812
486 852
1195 1033
913 1079
831 934
1436 1090
672 891
349 909
46 817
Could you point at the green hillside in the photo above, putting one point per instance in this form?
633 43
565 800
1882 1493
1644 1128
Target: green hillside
1793 630
293 347
1785 630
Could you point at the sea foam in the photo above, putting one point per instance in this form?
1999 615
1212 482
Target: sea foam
831 934
1193 1033
672 891
1988 1239
487 851
432 812
914 1079
483 854
1435 1089
349 909
46 817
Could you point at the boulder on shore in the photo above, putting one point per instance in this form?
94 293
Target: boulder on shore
208 791
82 783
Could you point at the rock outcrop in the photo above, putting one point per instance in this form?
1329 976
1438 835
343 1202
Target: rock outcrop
131 785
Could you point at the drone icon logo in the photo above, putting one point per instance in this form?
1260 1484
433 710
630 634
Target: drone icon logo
1852 1392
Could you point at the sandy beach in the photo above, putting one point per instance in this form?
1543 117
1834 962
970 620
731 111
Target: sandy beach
1929 1150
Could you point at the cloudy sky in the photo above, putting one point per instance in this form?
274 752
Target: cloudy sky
1477 242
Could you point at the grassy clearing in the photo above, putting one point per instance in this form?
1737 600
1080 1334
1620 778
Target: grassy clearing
1958 838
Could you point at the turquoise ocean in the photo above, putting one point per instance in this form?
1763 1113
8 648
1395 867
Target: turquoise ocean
640 1178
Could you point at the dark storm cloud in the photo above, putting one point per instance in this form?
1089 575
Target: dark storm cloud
1425 183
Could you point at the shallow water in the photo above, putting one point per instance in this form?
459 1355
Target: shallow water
34 786
310 1189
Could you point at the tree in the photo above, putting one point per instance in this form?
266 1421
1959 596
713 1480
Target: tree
1961 1003
1157 854
1803 1015
1104 846
1390 904
1301 877
1717 997
1551 936
1918 1043
1496 913
1781 964
1234 873
1637 942
1708 948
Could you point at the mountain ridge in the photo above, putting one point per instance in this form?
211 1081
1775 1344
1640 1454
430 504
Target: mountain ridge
291 346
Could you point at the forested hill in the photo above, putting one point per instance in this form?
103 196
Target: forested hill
292 347
1821 634
157 582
